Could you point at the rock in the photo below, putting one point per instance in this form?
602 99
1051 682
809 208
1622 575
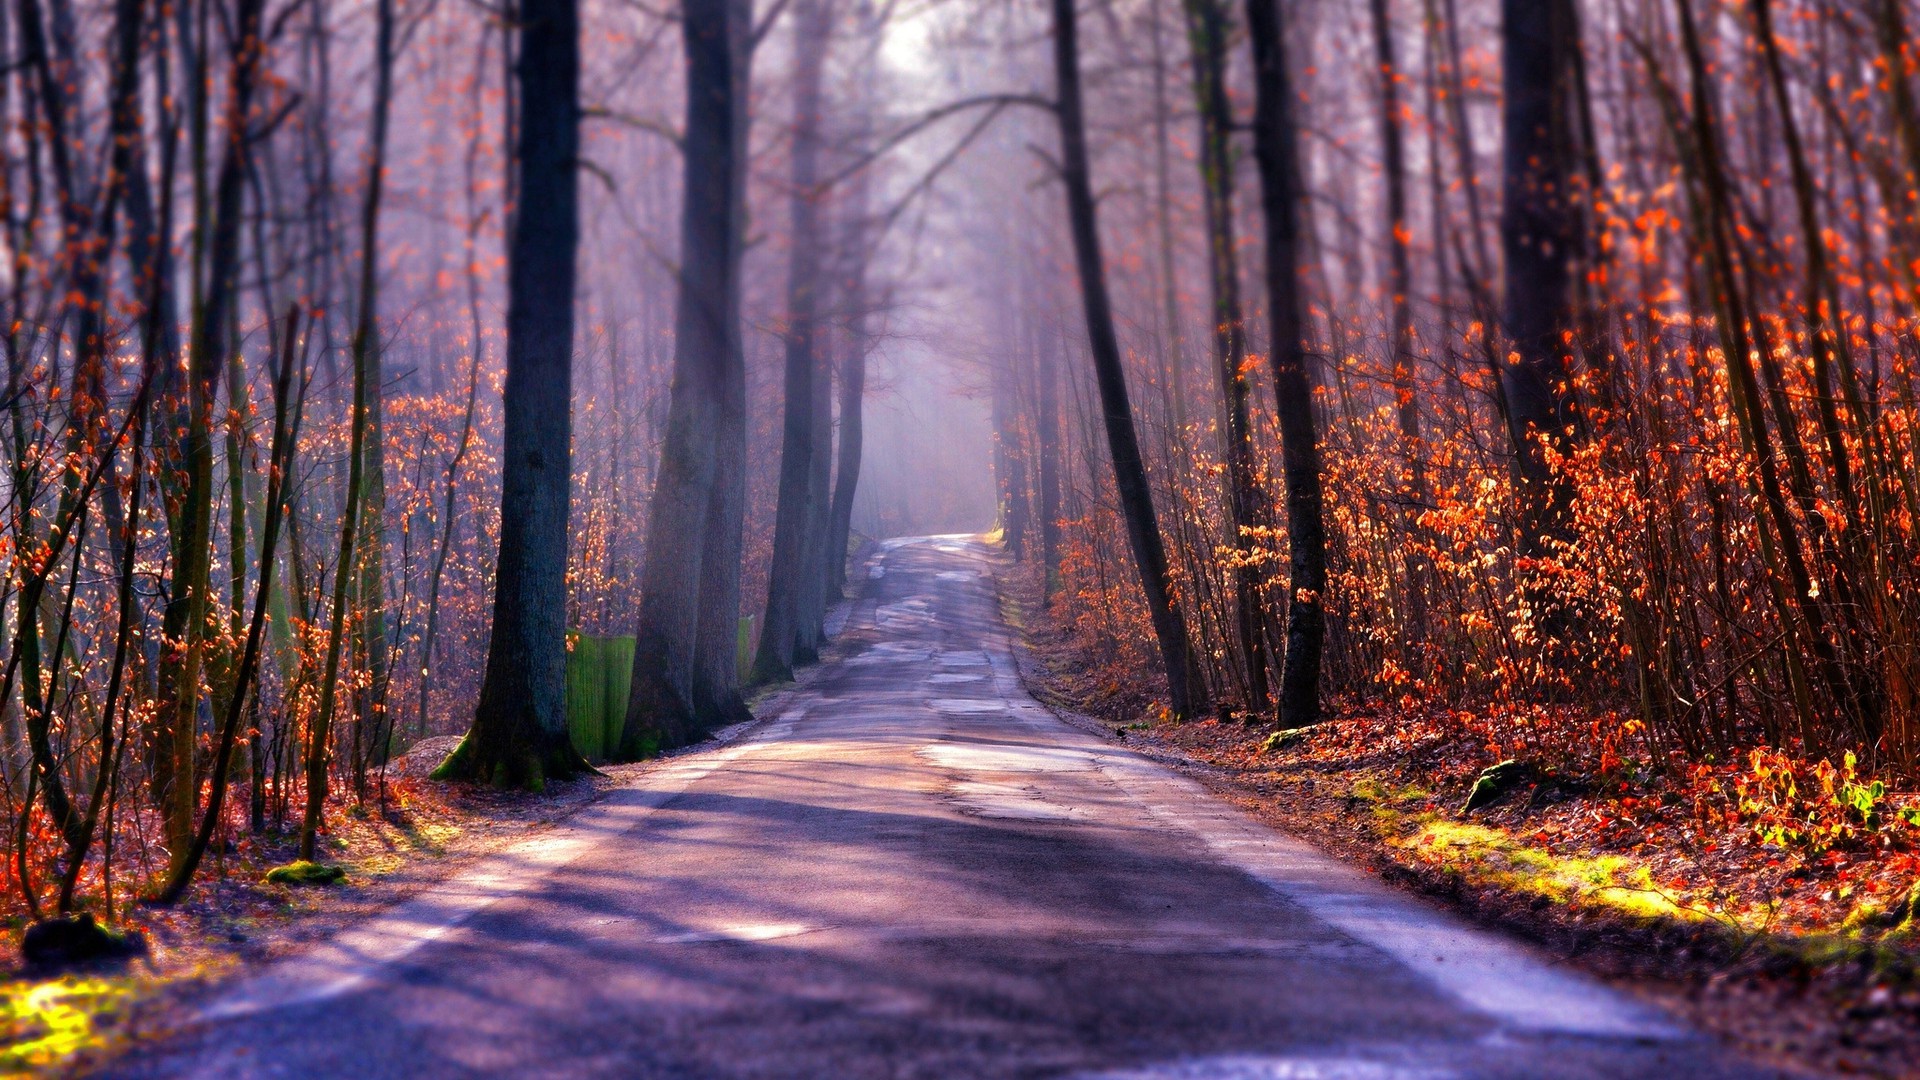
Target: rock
1284 738
424 756
66 941
1496 782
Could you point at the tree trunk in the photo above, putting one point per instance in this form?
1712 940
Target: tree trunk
1276 145
520 736
1009 454
693 478
1537 236
853 390
1047 424
781 633
1184 695
1207 31
1400 306
217 234
716 666
810 633
366 332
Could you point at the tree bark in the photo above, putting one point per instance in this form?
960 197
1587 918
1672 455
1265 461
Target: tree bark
1538 232
782 633
519 736
1207 32
217 234
1047 424
1276 145
1400 308
366 332
1185 697
716 668
689 512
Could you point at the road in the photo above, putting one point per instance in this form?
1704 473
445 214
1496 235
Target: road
912 869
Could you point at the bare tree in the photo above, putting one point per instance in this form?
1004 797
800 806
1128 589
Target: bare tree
1185 696
1276 145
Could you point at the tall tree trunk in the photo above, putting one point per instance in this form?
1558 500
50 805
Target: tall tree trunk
782 633
217 234
1400 307
810 633
366 333
1207 31
520 736
856 235
689 488
1185 696
1009 453
716 666
1276 145
853 390
1174 337
1538 232
1046 374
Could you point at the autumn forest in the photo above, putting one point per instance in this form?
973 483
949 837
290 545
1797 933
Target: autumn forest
524 384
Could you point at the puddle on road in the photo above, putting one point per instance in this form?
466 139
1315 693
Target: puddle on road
956 575
968 705
893 652
1252 1067
1011 801
963 659
1005 758
752 932
1005 798
954 677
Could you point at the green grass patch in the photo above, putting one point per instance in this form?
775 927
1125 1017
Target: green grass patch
1493 857
42 1024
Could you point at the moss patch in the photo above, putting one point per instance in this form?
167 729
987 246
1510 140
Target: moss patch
302 872
1493 857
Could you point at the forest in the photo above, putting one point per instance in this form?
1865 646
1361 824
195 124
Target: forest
515 378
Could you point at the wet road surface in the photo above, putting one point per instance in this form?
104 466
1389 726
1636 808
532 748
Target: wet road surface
911 869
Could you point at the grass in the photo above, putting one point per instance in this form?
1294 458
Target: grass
42 1024
1494 857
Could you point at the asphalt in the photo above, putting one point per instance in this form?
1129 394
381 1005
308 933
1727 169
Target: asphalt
909 868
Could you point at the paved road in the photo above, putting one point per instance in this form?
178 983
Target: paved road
913 870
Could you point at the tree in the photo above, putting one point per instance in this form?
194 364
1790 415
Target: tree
716 675
1276 146
1538 233
1400 306
349 572
217 235
519 736
1207 31
1185 696
787 637
693 505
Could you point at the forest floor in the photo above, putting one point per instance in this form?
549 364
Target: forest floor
1799 945
402 839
